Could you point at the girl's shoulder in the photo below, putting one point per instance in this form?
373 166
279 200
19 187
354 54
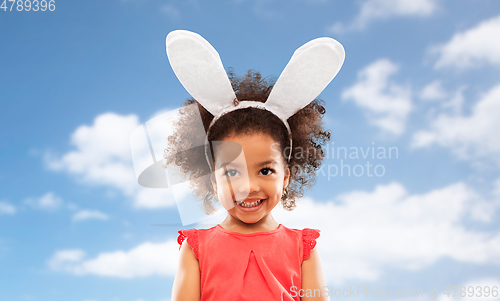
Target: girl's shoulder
192 237
307 237
305 232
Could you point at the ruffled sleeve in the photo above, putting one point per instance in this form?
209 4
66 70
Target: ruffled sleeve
192 239
309 241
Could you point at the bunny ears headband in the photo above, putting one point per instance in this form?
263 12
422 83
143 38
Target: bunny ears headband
199 68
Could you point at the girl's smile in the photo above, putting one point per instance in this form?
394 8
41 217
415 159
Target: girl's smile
250 177
250 205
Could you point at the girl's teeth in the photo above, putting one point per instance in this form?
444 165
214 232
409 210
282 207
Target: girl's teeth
243 204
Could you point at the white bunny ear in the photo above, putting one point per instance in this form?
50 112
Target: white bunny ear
311 68
199 68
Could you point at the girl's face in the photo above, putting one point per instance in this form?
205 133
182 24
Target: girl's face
250 175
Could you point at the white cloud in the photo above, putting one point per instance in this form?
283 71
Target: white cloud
363 233
146 259
373 10
64 257
473 47
83 215
6 208
386 103
433 91
102 156
48 202
469 137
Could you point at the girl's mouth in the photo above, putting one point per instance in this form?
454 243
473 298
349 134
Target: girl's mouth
250 206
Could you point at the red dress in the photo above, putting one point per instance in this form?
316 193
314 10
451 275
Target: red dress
256 266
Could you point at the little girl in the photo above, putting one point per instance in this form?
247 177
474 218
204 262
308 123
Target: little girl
265 146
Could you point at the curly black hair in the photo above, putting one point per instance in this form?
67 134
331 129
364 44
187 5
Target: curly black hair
308 138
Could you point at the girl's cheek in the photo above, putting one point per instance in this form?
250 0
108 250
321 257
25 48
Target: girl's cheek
237 187
224 193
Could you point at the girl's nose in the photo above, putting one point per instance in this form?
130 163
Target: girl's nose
253 184
247 186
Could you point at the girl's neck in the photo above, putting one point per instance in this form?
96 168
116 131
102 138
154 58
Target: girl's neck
265 224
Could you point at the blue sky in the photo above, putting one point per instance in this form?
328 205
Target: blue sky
421 76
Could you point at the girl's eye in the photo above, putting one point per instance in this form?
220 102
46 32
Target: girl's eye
231 172
266 171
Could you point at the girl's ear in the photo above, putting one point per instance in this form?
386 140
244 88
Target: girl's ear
286 180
